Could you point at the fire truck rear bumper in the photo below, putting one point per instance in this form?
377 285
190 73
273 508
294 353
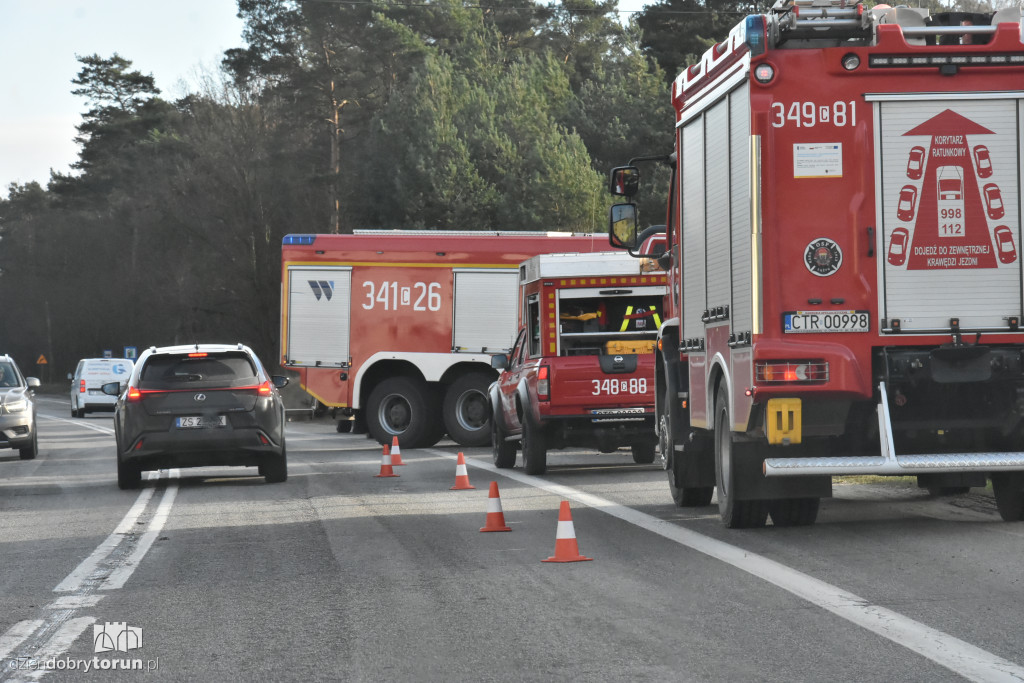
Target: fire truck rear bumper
905 465
889 463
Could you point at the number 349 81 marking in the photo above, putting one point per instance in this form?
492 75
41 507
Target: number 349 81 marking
614 387
810 114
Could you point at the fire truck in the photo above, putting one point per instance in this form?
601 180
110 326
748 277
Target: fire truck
396 328
581 372
845 276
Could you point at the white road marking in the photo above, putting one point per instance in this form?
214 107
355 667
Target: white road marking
58 644
100 571
15 635
79 423
956 655
120 575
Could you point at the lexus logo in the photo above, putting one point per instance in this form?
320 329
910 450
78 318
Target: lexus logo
199 397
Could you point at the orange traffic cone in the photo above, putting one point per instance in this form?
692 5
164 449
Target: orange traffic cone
385 465
461 476
396 452
495 517
566 549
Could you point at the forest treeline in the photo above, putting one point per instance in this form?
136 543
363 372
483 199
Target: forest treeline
338 115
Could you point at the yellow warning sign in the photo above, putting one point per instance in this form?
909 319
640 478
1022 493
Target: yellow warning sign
41 360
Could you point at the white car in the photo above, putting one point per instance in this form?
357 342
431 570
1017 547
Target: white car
87 382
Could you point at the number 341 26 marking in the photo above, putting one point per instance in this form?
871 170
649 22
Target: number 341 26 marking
810 114
421 296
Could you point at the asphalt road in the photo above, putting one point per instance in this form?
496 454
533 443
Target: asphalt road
340 575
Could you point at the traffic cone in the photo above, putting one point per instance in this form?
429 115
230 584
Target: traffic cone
495 517
385 465
396 452
566 549
461 476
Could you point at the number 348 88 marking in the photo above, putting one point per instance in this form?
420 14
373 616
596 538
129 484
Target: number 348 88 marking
614 387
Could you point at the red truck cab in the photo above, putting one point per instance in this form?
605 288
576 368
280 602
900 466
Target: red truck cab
581 371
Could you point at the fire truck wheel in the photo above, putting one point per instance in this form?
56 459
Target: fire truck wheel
794 511
1008 488
503 452
643 454
403 407
535 452
467 409
736 514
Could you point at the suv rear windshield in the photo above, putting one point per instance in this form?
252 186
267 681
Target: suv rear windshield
174 371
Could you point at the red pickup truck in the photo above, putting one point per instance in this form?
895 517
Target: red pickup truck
581 373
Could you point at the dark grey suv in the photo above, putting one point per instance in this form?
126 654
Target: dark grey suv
196 406
17 410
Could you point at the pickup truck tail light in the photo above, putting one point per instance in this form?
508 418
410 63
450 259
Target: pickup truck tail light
543 383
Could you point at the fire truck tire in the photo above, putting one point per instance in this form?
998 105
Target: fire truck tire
1008 488
404 407
344 426
535 451
503 452
736 514
467 409
643 454
794 511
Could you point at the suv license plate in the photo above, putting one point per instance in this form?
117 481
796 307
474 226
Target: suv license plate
796 322
199 422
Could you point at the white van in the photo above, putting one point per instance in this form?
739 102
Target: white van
90 375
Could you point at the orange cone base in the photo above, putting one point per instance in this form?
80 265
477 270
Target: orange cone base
496 527
461 486
385 474
578 558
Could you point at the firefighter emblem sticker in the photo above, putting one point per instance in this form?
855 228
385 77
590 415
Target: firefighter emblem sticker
823 257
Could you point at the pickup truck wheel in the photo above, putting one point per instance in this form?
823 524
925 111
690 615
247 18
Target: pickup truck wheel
467 409
403 407
535 452
736 514
503 452
1008 488
794 511
643 454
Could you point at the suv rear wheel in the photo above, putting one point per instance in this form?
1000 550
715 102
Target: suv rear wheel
275 469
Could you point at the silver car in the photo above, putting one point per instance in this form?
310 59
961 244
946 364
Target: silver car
17 410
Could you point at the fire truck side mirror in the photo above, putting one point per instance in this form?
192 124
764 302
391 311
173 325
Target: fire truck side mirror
624 181
622 226
499 361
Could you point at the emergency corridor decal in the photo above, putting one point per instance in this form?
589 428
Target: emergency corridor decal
951 212
949 206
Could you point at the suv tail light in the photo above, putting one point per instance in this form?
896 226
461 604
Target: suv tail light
134 395
543 383
265 389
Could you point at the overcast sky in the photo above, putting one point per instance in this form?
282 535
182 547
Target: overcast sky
38 43
173 41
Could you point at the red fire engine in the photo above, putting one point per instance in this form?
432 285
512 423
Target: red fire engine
581 371
396 327
845 287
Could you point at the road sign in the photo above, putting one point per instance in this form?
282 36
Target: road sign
131 352
41 360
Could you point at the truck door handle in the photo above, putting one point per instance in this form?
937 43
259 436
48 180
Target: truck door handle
871 242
